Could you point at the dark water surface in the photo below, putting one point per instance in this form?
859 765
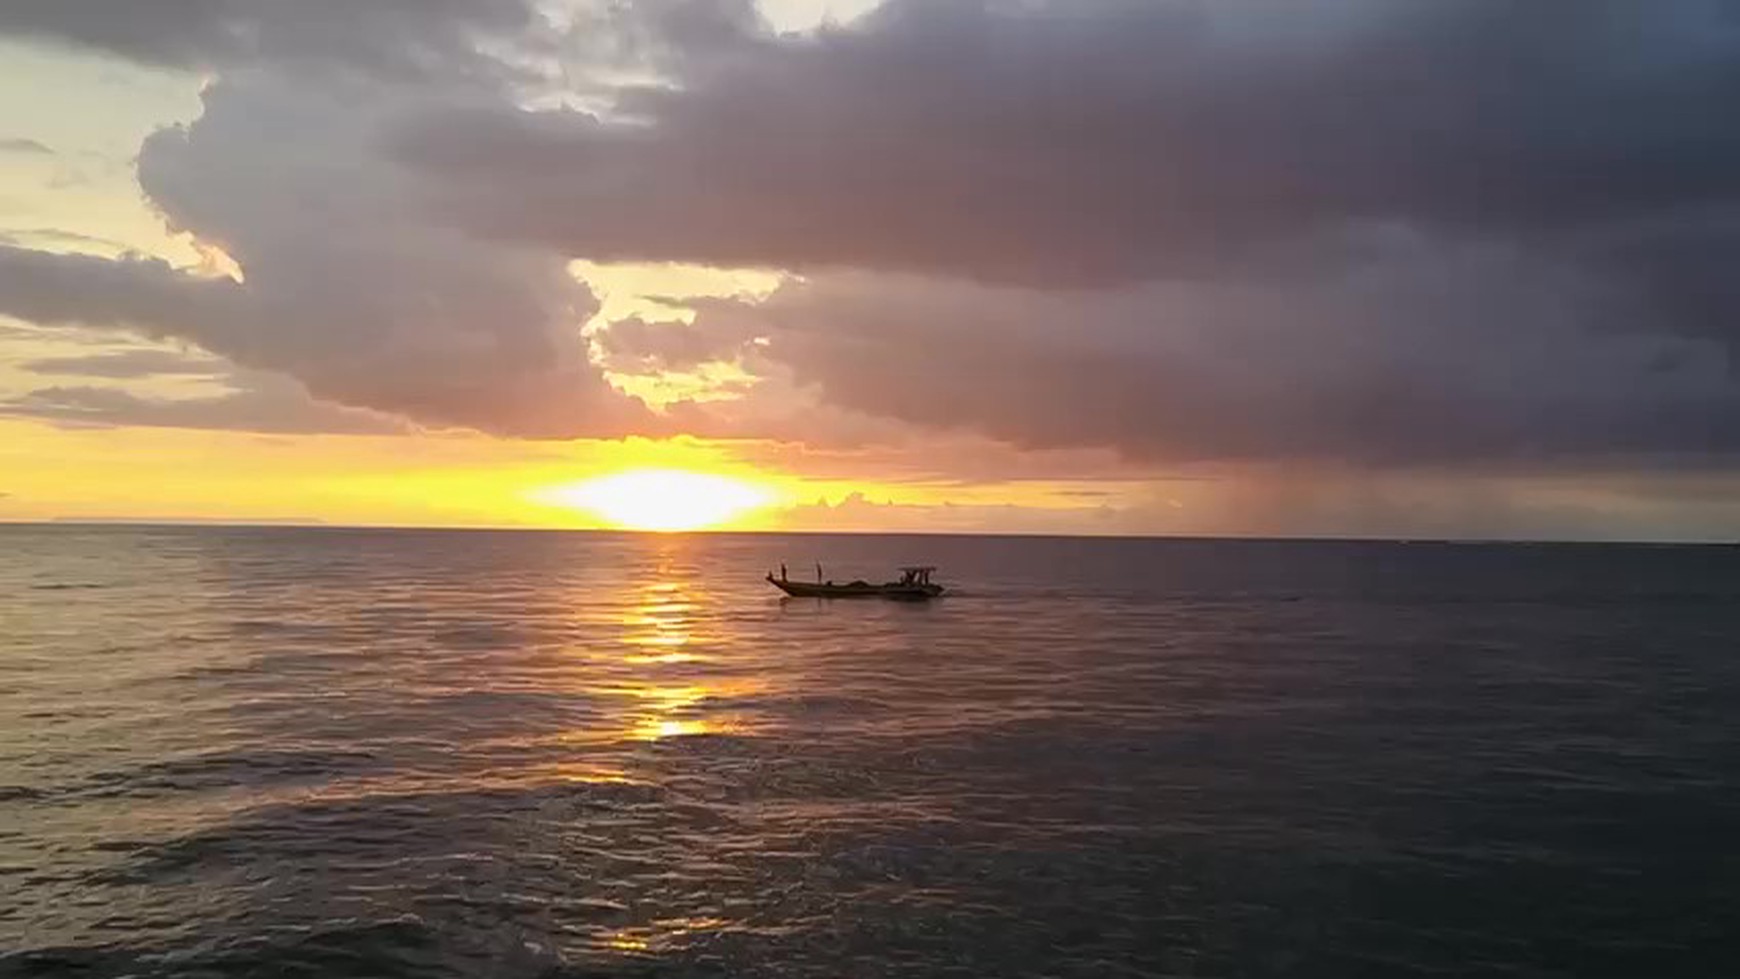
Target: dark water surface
276 752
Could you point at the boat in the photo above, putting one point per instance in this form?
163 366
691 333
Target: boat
914 584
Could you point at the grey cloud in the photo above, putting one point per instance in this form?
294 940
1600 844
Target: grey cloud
1436 359
179 32
640 345
60 333
1279 503
1682 506
127 364
1092 143
394 38
24 147
58 238
265 404
934 460
856 512
50 288
1681 269
657 35
1377 232
1399 233
348 288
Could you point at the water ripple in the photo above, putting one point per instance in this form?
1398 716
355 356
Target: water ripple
372 753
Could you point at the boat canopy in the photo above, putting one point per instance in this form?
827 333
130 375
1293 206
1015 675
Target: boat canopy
917 574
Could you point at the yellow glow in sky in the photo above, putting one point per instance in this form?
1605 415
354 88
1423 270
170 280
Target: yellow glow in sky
50 472
660 499
92 112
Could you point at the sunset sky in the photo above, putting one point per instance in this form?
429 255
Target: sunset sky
1416 268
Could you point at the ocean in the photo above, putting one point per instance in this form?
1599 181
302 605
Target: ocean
382 753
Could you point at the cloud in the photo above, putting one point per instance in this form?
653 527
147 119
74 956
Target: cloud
24 147
857 513
393 38
1074 144
1278 501
127 364
265 404
1655 506
1368 233
348 287
57 239
672 346
1416 233
1461 359
918 456
48 288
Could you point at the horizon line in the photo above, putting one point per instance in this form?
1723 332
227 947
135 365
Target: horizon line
319 524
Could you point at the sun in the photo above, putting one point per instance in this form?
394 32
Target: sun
660 499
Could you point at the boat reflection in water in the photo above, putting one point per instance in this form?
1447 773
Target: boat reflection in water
914 584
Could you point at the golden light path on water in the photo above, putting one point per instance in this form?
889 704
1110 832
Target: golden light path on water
669 698
661 631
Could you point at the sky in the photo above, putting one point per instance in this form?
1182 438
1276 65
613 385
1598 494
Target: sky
1392 268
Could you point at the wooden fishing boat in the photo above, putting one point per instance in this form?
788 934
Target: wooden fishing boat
914 584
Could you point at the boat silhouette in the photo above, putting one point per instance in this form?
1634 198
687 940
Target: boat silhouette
914 584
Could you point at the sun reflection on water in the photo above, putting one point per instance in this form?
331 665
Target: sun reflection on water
655 659
668 711
659 935
655 730
661 626
671 694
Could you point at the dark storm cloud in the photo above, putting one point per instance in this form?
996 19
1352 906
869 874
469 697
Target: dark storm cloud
1444 359
1681 266
394 37
1410 232
1087 143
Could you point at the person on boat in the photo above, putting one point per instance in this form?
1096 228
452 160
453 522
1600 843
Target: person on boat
782 571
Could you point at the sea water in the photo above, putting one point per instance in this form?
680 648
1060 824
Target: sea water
331 752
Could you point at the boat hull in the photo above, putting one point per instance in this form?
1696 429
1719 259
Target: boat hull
856 589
